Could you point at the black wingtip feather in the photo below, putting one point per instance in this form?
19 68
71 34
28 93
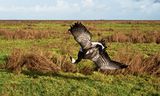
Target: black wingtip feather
77 26
124 66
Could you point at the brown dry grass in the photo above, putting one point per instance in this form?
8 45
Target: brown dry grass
135 37
86 70
38 60
34 61
26 34
64 64
138 64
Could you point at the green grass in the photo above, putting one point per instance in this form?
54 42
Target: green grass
76 84
125 28
144 48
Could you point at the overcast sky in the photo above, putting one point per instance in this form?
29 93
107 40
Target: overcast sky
80 9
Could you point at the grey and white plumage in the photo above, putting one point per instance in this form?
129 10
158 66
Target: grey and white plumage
94 51
81 35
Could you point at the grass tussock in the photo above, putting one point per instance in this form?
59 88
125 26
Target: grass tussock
26 34
138 64
64 64
40 61
135 37
37 60
34 61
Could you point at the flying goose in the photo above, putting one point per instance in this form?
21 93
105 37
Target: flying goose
94 51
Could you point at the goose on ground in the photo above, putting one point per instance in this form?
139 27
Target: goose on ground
94 51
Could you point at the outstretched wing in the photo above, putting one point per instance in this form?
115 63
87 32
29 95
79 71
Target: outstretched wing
104 62
81 35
